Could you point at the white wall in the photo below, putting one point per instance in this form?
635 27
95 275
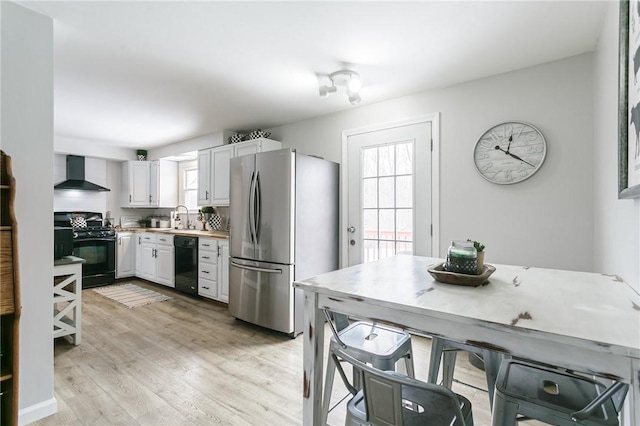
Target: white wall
617 222
545 221
27 136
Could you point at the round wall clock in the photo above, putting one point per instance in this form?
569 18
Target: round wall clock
509 152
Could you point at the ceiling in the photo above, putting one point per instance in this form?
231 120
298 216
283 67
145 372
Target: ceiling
145 74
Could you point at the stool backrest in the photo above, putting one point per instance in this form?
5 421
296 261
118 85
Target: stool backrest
391 398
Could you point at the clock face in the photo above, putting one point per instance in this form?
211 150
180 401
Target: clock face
509 152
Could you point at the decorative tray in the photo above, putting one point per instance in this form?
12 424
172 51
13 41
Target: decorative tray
439 274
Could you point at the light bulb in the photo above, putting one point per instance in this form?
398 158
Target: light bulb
354 84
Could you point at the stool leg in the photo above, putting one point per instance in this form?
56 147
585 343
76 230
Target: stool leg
448 365
409 364
504 412
437 347
328 387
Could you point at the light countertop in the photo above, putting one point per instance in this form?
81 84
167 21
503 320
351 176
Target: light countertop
68 260
184 232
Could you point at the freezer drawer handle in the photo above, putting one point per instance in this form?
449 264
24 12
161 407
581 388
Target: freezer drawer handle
253 268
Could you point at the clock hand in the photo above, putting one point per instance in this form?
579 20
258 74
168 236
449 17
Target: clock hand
510 140
513 155
520 159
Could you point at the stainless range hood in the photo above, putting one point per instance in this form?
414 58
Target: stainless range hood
75 176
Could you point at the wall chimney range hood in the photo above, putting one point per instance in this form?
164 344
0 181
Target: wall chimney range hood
75 176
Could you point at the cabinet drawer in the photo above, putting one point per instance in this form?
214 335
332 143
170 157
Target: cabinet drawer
165 240
207 288
208 271
208 257
208 244
147 237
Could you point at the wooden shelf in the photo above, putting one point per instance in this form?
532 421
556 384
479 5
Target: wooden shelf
9 296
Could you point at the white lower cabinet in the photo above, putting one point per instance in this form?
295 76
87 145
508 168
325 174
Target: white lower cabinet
213 269
155 258
223 271
165 261
125 255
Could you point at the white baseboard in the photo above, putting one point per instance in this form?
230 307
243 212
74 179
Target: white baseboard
37 411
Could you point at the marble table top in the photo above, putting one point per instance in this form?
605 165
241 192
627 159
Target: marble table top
587 306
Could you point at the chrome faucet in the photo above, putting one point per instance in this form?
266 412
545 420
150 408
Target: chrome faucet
186 210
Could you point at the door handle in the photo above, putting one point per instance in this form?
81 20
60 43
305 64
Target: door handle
255 268
251 207
351 229
206 195
258 205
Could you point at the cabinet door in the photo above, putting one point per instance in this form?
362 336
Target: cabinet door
247 148
223 272
125 266
137 240
221 166
148 262
154 183
204 177
165 265
139 183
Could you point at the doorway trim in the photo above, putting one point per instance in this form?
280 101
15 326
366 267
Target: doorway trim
434 119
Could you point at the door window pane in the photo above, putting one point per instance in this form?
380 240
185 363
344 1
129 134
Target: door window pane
370 162
387 224
370 193
404 156
404 191
387 192
370 224
386 161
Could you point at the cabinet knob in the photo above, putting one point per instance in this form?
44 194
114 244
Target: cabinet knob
205 257
206 272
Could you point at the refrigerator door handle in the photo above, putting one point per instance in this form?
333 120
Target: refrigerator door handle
251 207
258 216
254 268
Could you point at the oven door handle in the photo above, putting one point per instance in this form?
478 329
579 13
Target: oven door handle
95 239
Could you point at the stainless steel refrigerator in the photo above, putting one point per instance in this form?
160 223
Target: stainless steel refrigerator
284 227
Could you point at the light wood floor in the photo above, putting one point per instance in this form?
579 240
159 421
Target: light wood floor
186 361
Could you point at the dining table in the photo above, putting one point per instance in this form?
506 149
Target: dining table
583 321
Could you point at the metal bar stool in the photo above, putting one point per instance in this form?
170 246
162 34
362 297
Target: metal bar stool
376 344
445 351
388 398
554 396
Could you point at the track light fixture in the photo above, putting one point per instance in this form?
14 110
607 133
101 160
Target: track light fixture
347 79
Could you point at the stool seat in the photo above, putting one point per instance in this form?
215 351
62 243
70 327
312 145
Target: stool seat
553 396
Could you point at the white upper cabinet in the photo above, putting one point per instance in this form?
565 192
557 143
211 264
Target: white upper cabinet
221 163
204 177
214 166
149 183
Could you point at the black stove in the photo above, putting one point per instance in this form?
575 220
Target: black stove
94 243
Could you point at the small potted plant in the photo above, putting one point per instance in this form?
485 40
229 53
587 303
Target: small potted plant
207 211
144 222
480 249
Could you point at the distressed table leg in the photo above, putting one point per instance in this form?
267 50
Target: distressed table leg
313 350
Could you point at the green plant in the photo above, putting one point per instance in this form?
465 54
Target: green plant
208 209
479 247
144 222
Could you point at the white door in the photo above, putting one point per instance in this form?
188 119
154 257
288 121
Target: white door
389 192
148 262
154 183
247 149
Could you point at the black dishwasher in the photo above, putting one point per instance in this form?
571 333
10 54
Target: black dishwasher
186 264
